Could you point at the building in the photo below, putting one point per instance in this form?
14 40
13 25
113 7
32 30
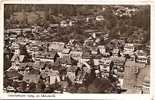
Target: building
146 85
141 56
105 64
46 56
64 60
102 49
118 61
76 54
65 52
129 48
94 50
99 18
116 52
65 23
58 46
54 77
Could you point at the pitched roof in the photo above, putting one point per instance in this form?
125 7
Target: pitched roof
64 60
23 65
117 59
14 57
49 55
71 69
21 58
99 56
38 65
86 55
56 46
66 51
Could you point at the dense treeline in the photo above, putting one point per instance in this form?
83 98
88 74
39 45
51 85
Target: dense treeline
125 26
66 10
142 19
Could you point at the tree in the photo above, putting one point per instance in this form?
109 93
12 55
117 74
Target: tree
40 86
22 87
32 87
100 85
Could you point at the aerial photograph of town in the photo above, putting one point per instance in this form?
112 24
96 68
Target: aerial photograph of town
70 48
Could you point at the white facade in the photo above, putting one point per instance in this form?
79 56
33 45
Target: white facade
129 48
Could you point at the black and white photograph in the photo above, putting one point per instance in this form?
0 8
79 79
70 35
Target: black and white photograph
75 48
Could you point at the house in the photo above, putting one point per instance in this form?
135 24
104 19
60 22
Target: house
65 52
143 79
104 68
15 30
73 44
87 19
106 36
105 65
129 48
54 77
102 49
53 25
97 59
141 56
89 31
71 23
132 58
99 18
10 89
13 37
63 23
146 85
50 56
22 40
39 65
71 73
94 50
118 61
76 54
16 60
58 46
64 60
15 45
86 55
115 52
89 42
33 48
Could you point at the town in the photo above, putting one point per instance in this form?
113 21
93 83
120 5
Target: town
94 49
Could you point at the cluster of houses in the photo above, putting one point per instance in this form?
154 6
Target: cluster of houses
64 63
122 11
34 59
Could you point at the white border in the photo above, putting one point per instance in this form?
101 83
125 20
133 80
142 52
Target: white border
82 96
